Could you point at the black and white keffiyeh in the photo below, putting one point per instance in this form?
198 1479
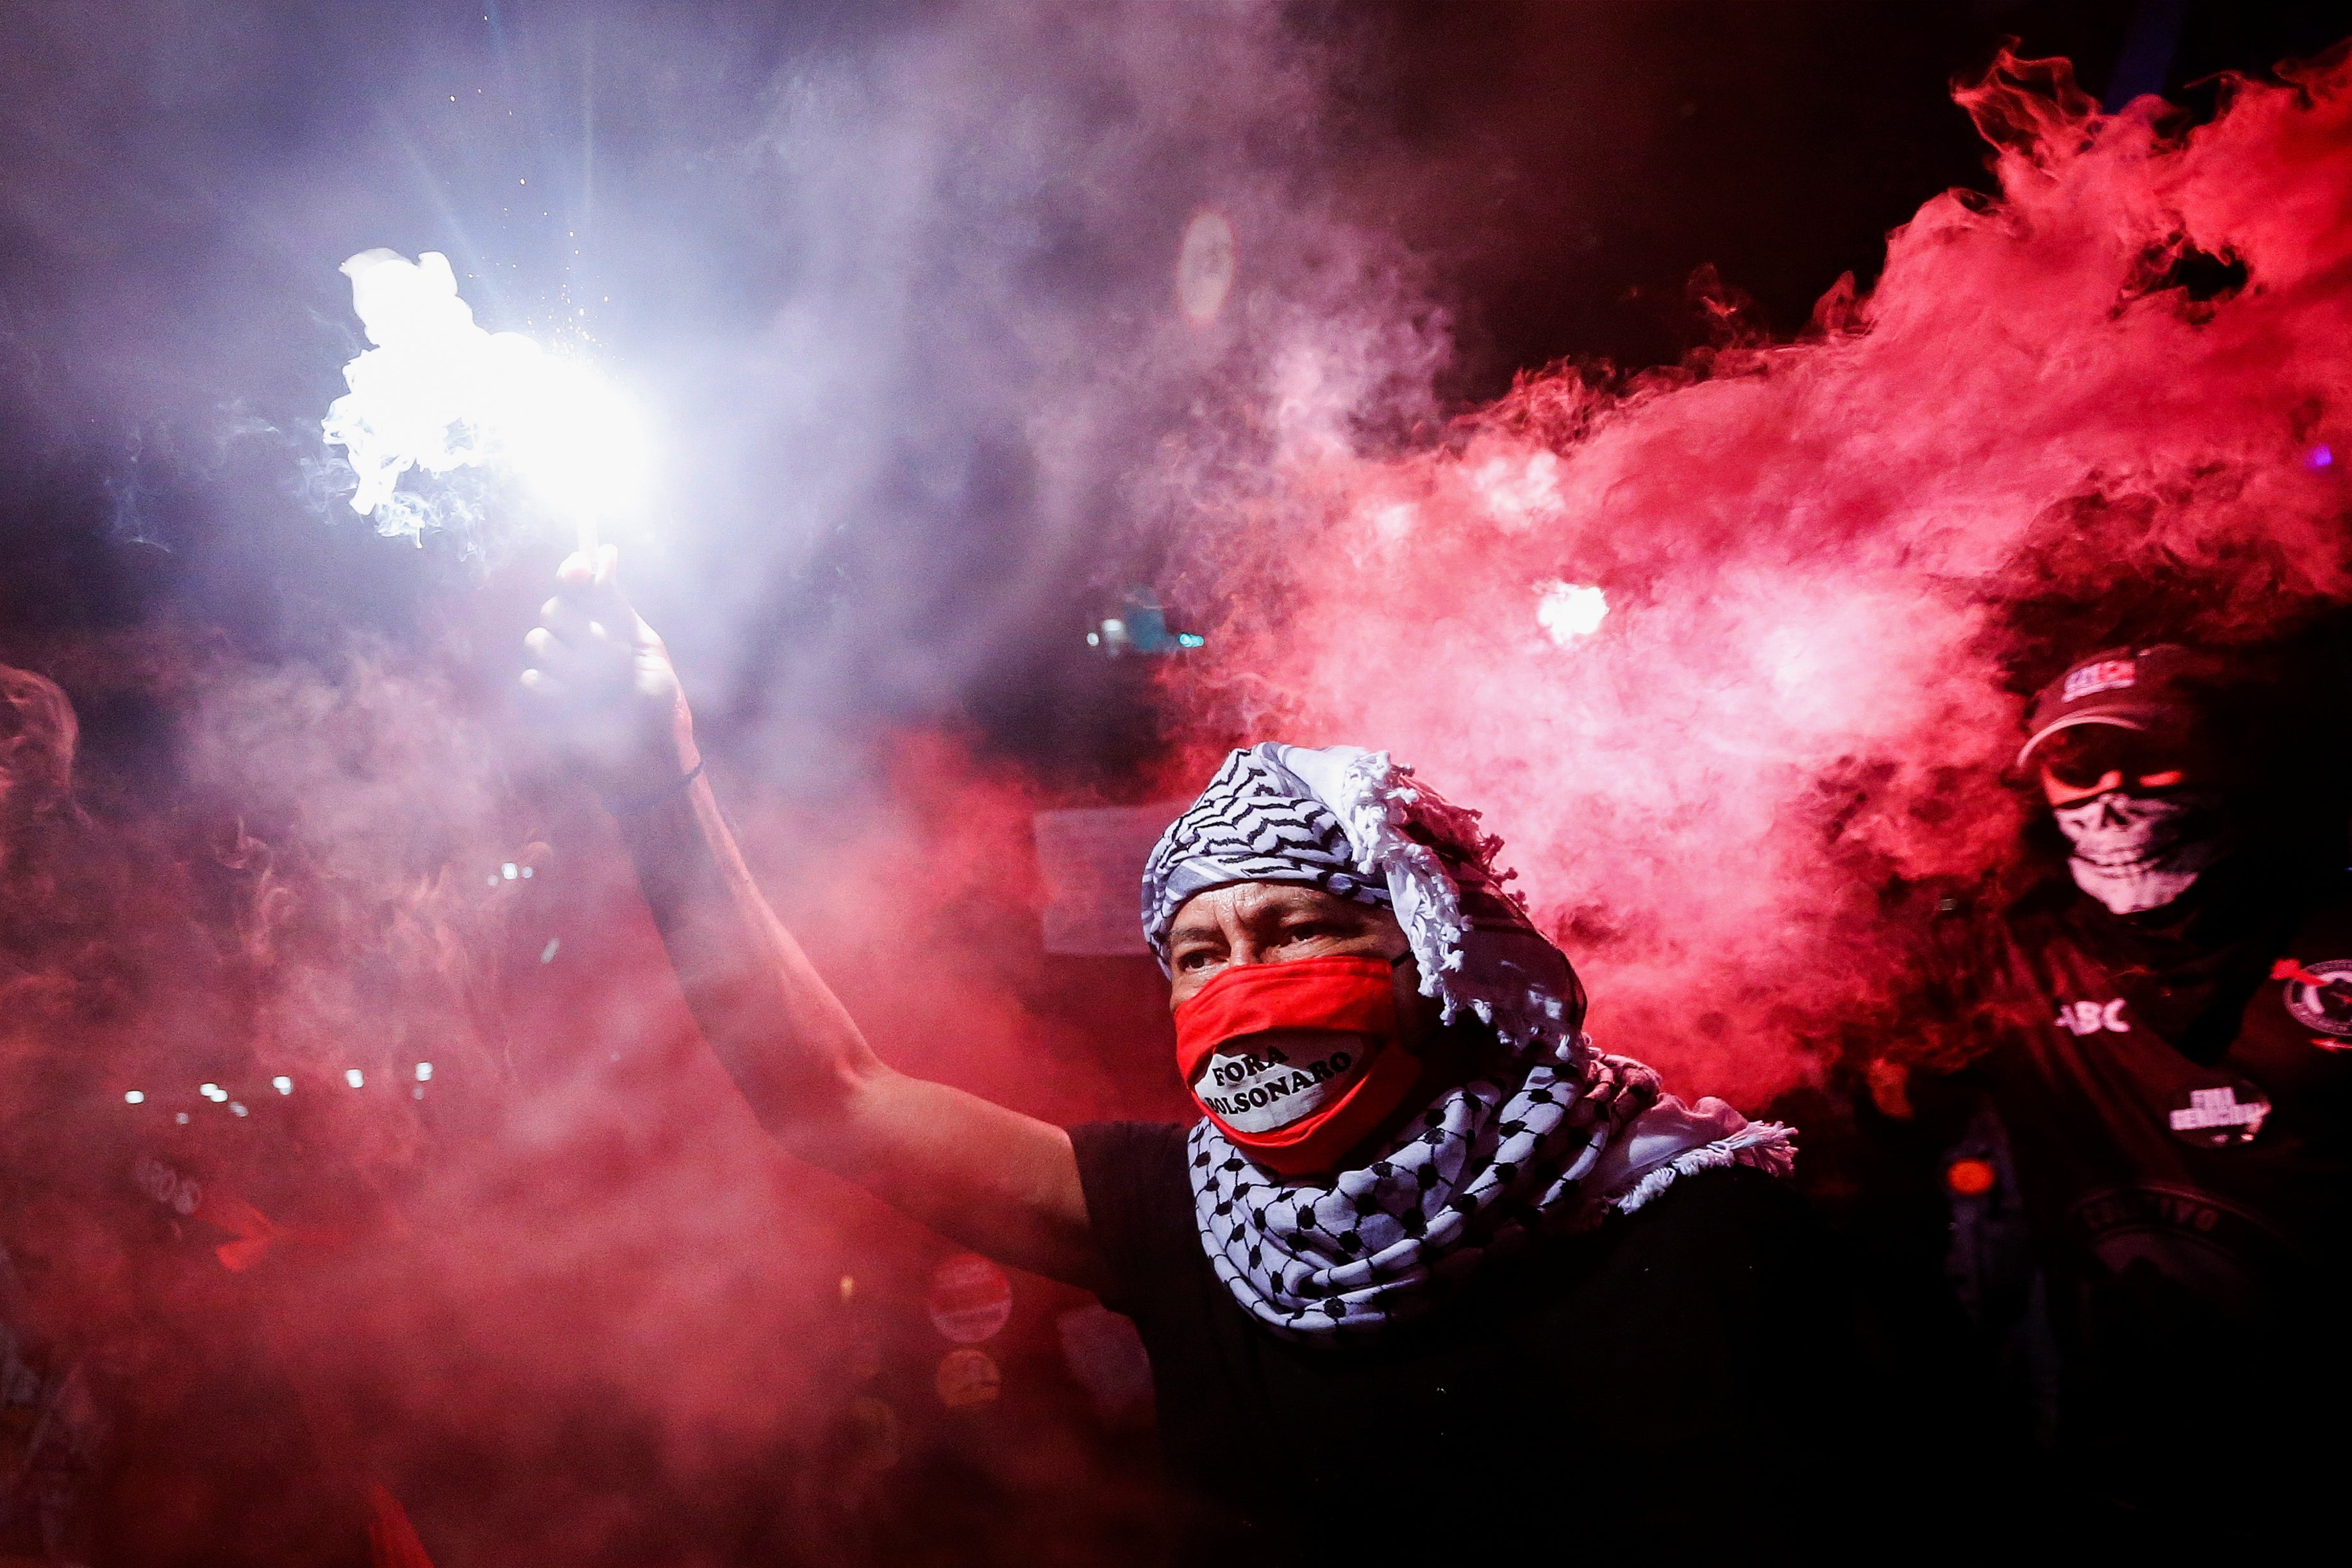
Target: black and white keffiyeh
1352 823
1553 1136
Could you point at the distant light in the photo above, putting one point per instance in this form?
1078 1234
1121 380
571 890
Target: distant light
1971 1177
1205 266
510 871
182 1119
848 1289
237 1107
1566 611
1189 639
282 1084
424 1072
547 954
135 1098
526 873
417 1093
2320 456
355 1077
494 878
211 1091
1094 639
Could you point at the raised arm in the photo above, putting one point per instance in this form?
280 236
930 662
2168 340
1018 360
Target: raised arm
1001 1182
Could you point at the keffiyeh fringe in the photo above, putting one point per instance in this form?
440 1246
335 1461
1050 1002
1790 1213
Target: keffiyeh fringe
1767 1146
1379 805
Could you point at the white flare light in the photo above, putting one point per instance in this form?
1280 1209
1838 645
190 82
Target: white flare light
282 1084
437 393
1567 611
135 1098
355 1077
424 1072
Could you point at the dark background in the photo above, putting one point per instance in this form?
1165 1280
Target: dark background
1776 142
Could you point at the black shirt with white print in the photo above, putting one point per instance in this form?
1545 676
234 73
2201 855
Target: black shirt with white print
2174 1087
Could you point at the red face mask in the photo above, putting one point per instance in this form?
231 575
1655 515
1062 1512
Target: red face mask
1297 1102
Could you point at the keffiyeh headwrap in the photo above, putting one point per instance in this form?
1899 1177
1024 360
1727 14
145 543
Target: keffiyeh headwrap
1551 1136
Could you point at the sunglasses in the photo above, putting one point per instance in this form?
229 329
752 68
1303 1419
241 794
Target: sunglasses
2081 756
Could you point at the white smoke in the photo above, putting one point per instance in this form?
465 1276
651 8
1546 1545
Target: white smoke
437 393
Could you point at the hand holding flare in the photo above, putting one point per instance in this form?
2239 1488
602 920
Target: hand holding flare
605 680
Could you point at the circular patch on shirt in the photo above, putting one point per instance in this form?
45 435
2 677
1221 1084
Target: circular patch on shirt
2320 995
970 1298
2221 1115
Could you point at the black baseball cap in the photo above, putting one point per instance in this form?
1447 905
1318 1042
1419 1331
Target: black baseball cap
2161 688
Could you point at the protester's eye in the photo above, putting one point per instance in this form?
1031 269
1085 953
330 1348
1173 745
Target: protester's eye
1193 959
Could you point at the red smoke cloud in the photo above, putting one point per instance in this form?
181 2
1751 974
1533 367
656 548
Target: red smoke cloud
561 1298
1829 563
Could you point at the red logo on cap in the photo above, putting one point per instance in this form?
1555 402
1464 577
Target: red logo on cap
2107 675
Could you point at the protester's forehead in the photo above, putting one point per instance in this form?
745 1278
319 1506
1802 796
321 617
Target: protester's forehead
1200 911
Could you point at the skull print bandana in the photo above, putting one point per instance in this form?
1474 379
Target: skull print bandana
2139 852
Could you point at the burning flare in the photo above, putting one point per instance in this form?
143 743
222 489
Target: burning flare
437 393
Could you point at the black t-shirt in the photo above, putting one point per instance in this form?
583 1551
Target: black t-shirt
1685 1366
2174 1088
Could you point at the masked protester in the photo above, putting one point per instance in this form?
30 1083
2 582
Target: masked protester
2158 1048
1426 1265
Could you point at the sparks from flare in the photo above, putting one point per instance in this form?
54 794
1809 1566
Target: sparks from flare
437 393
